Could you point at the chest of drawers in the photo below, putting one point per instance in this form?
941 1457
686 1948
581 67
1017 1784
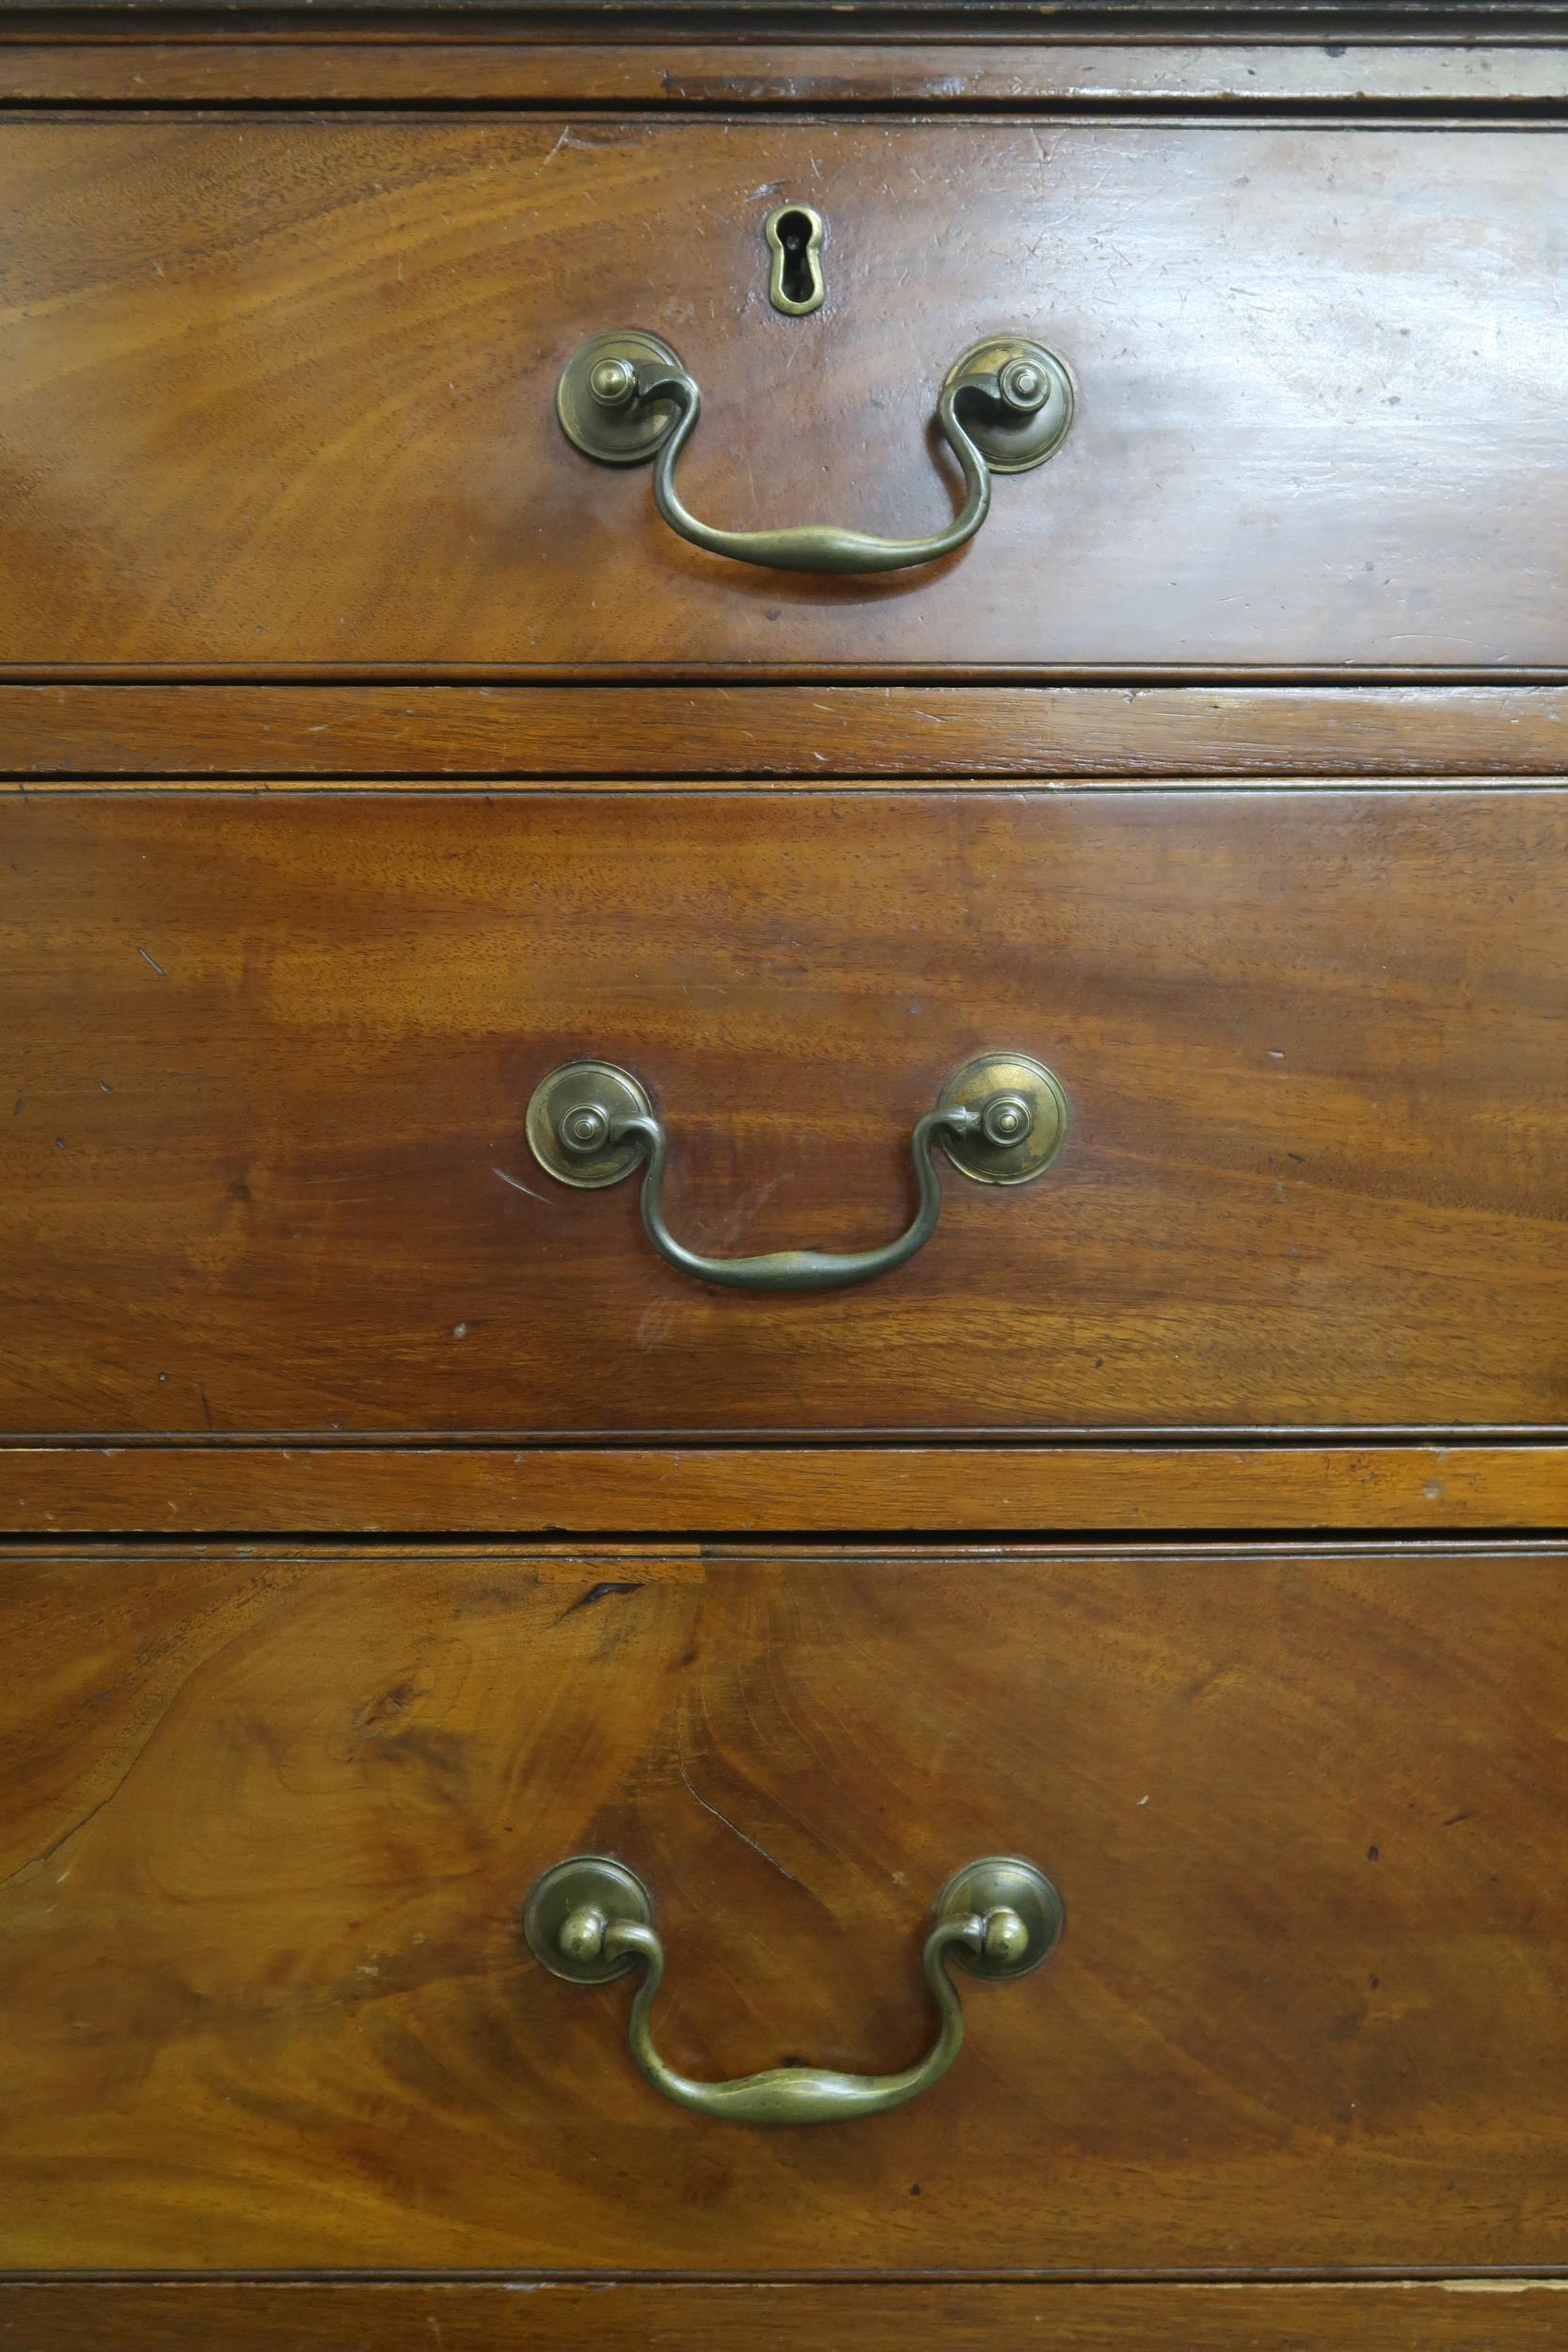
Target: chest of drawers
783 1011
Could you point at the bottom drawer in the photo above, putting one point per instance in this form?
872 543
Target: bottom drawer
270 1820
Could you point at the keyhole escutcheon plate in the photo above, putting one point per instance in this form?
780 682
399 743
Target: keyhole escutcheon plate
794 235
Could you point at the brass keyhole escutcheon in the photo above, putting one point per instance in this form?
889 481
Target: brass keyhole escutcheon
795 284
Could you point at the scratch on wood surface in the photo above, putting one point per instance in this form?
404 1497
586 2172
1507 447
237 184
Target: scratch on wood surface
517 1186
601 1591
25 1869
732 1826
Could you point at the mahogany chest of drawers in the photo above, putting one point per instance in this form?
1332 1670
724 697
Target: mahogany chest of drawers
784 1179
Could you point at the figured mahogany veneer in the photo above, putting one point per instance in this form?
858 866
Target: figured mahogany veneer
270 1815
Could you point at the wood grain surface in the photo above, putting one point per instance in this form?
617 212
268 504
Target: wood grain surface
270 1817
540 2315
942 733
286 504
857 1489
280 389
265 1065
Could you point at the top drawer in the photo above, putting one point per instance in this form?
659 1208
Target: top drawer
280 392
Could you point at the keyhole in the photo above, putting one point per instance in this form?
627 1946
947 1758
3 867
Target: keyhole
795 239
796 275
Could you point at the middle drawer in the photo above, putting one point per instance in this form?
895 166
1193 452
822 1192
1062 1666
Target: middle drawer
271 1059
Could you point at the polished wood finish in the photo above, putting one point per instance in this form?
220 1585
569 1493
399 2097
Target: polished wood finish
550 2316
270 1816
941 75
329 443
264 1172
941 735
739 1490
363 752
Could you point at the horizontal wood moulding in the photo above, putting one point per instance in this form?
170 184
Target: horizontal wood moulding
166 733
758 1489
146 68
545 2315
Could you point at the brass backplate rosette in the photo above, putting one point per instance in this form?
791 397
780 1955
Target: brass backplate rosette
990 1082
620 431
1015 441
603 1093
1002 1882
590 1882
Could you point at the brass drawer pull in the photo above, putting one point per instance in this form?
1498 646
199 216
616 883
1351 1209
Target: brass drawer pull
626 397
591 1919
1001 1119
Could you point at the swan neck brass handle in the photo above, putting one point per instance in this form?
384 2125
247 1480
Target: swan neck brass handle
1005 407
1002 1119
591 1919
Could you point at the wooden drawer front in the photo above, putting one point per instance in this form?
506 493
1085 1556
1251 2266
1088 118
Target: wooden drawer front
280 390
270 1820
266 1063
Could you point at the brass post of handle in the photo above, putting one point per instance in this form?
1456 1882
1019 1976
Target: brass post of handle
1002 1119
1004 406
591 1919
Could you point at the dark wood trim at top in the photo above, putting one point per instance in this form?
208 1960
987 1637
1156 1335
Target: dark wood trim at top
1152 1489
141 63
840 20
609 19
920 735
